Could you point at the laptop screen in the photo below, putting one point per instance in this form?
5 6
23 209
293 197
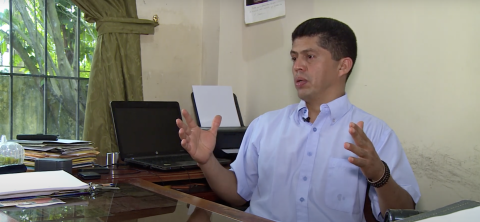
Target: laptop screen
146 128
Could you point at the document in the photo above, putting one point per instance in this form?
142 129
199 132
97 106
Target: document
38 183
216 100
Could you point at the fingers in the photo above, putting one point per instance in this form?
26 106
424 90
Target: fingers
188 119
183 131
360 124
181 124
359 137
185 145
357 161
215 124
184 134
355 149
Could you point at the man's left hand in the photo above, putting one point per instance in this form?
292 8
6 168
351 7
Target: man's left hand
368 159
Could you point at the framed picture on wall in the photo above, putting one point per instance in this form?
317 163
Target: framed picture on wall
260 10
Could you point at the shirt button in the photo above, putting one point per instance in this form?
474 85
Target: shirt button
301 199
333 120
304 178
314 129
309 153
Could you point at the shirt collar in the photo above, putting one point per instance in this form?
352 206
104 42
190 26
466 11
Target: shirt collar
338 108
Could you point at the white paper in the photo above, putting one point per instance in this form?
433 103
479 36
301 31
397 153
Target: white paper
471 214
215 100
230 150
25 184
59 141
260 10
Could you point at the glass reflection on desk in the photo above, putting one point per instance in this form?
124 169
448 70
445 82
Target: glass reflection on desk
128 203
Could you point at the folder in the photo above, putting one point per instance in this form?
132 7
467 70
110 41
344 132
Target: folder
38 183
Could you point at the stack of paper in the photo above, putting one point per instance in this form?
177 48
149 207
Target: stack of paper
82 153
38 184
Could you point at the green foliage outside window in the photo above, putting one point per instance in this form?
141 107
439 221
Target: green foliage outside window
50 74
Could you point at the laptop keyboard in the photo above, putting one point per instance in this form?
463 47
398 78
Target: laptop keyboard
161 160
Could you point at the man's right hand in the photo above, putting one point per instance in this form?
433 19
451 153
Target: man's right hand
197 142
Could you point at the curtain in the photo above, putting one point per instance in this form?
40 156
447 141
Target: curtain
116 73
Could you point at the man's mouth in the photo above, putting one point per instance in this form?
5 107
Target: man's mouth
299 82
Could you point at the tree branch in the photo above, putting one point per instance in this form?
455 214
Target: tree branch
22 52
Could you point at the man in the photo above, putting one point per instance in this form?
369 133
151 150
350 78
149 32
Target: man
312 161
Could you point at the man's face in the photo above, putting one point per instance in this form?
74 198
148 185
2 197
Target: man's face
314 71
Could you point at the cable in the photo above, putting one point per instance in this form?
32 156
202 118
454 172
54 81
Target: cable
189 180
161 181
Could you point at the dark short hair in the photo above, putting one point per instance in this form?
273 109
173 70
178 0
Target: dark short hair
335 36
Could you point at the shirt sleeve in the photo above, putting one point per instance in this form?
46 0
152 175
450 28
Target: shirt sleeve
245 165
391 152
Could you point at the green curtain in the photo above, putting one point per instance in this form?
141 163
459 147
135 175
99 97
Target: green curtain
116 73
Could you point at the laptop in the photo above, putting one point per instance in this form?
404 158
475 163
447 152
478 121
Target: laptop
147 135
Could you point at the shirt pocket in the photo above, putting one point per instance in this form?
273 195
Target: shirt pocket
341 185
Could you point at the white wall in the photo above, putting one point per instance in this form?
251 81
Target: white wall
172 57
416 70
255 59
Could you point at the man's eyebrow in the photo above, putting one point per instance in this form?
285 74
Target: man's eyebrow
303 51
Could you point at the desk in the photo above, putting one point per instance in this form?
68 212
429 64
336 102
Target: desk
127 172
124 172
137 199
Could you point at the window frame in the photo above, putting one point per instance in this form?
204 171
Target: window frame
45 75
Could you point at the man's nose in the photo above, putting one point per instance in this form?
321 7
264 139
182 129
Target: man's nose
299 65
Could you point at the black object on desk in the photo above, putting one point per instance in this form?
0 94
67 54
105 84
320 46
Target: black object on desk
89 175
16 168
37 137
49 164
96 169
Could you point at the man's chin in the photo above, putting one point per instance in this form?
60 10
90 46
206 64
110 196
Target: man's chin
302 96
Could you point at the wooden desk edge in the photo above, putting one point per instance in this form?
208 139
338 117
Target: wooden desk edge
202 203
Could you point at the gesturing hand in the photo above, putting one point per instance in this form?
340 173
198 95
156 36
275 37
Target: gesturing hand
197 142
368 159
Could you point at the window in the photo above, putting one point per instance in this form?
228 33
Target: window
46 51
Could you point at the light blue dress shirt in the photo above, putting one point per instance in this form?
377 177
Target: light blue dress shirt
292 170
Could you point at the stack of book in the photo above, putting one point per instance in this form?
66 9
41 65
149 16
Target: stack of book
82 153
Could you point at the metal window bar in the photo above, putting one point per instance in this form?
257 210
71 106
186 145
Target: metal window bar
10 93
45 80
77 46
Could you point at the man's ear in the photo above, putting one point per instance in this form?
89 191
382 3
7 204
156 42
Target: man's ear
344 66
